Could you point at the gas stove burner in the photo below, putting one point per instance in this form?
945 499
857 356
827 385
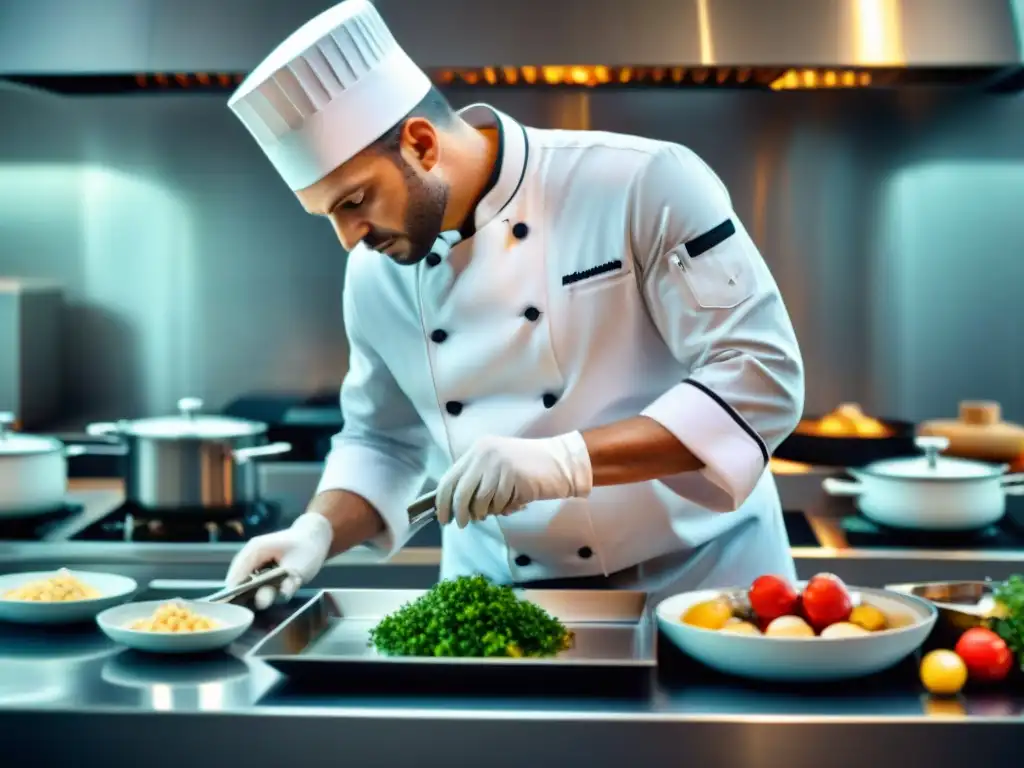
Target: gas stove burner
132 523
35 526
135 528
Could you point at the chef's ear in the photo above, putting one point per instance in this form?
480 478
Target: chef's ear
421 143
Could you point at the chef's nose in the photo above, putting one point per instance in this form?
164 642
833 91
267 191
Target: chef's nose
349 231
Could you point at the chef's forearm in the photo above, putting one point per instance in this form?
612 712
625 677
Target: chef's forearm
636 450
353 519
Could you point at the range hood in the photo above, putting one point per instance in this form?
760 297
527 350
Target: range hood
147 45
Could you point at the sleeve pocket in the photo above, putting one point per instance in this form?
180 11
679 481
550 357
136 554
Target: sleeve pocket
720 276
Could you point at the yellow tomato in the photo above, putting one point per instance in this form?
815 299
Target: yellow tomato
868 617
943 672
711 614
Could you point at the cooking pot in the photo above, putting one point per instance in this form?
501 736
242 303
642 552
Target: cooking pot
191 460
930 492
34 470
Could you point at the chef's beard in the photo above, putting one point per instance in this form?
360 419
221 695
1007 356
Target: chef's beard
424 219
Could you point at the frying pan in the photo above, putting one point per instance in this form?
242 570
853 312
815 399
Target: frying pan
850 451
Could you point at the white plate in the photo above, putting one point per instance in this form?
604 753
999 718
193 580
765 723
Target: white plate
803 659
232 620
113 590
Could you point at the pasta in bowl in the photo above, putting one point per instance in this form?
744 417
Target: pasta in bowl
62 596
62 587
175 626
174 617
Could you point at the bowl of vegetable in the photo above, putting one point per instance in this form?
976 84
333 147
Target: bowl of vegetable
816 631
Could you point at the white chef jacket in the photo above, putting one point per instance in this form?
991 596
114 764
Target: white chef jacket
601 276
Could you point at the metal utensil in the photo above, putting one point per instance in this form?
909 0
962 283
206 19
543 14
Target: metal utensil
257 580
961 604
191 459
422 509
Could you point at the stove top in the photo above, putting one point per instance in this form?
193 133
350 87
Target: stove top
1008 533
36 527
799 530
132 523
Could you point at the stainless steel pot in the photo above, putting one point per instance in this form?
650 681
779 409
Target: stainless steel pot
34 470
191 460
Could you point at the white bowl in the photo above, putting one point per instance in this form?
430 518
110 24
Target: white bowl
802 659
232 621
113 590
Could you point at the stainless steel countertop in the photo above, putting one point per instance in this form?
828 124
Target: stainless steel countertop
71 692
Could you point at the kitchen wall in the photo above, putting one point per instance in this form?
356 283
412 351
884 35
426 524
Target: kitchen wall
891 223
947 257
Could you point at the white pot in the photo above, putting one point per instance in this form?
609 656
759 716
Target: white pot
34 470
930 492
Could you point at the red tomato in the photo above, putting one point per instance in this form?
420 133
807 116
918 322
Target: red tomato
825 601
985 653
771 597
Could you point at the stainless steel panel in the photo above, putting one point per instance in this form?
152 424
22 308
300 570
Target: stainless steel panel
31 350
222 36
534 32
915 33
62 36
234 35
330 635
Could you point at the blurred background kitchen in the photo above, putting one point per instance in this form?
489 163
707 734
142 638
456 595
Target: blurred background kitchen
887 197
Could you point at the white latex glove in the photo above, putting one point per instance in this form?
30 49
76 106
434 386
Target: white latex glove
500 475
301 550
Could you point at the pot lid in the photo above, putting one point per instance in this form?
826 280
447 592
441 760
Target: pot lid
19 444
189 423
932 466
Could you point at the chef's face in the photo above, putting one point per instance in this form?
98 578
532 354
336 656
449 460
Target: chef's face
391 196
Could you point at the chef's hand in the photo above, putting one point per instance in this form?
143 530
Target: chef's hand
499 475
301 550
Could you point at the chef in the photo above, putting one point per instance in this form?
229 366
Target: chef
577 323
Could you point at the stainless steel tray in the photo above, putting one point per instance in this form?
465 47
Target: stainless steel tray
614 633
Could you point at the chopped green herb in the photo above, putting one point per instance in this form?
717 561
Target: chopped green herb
469 616
1010 624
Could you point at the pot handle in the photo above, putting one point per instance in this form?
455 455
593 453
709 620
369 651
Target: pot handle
243 455
1013 485
103 429
836 487
71 451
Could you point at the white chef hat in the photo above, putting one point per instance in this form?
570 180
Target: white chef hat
327 92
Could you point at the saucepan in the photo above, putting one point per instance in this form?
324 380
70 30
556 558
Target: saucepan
191 461
930 492
34 470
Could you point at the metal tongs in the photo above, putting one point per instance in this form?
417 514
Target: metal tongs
422 509
261 578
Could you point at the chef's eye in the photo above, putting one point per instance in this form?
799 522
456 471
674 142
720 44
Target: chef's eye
353 201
